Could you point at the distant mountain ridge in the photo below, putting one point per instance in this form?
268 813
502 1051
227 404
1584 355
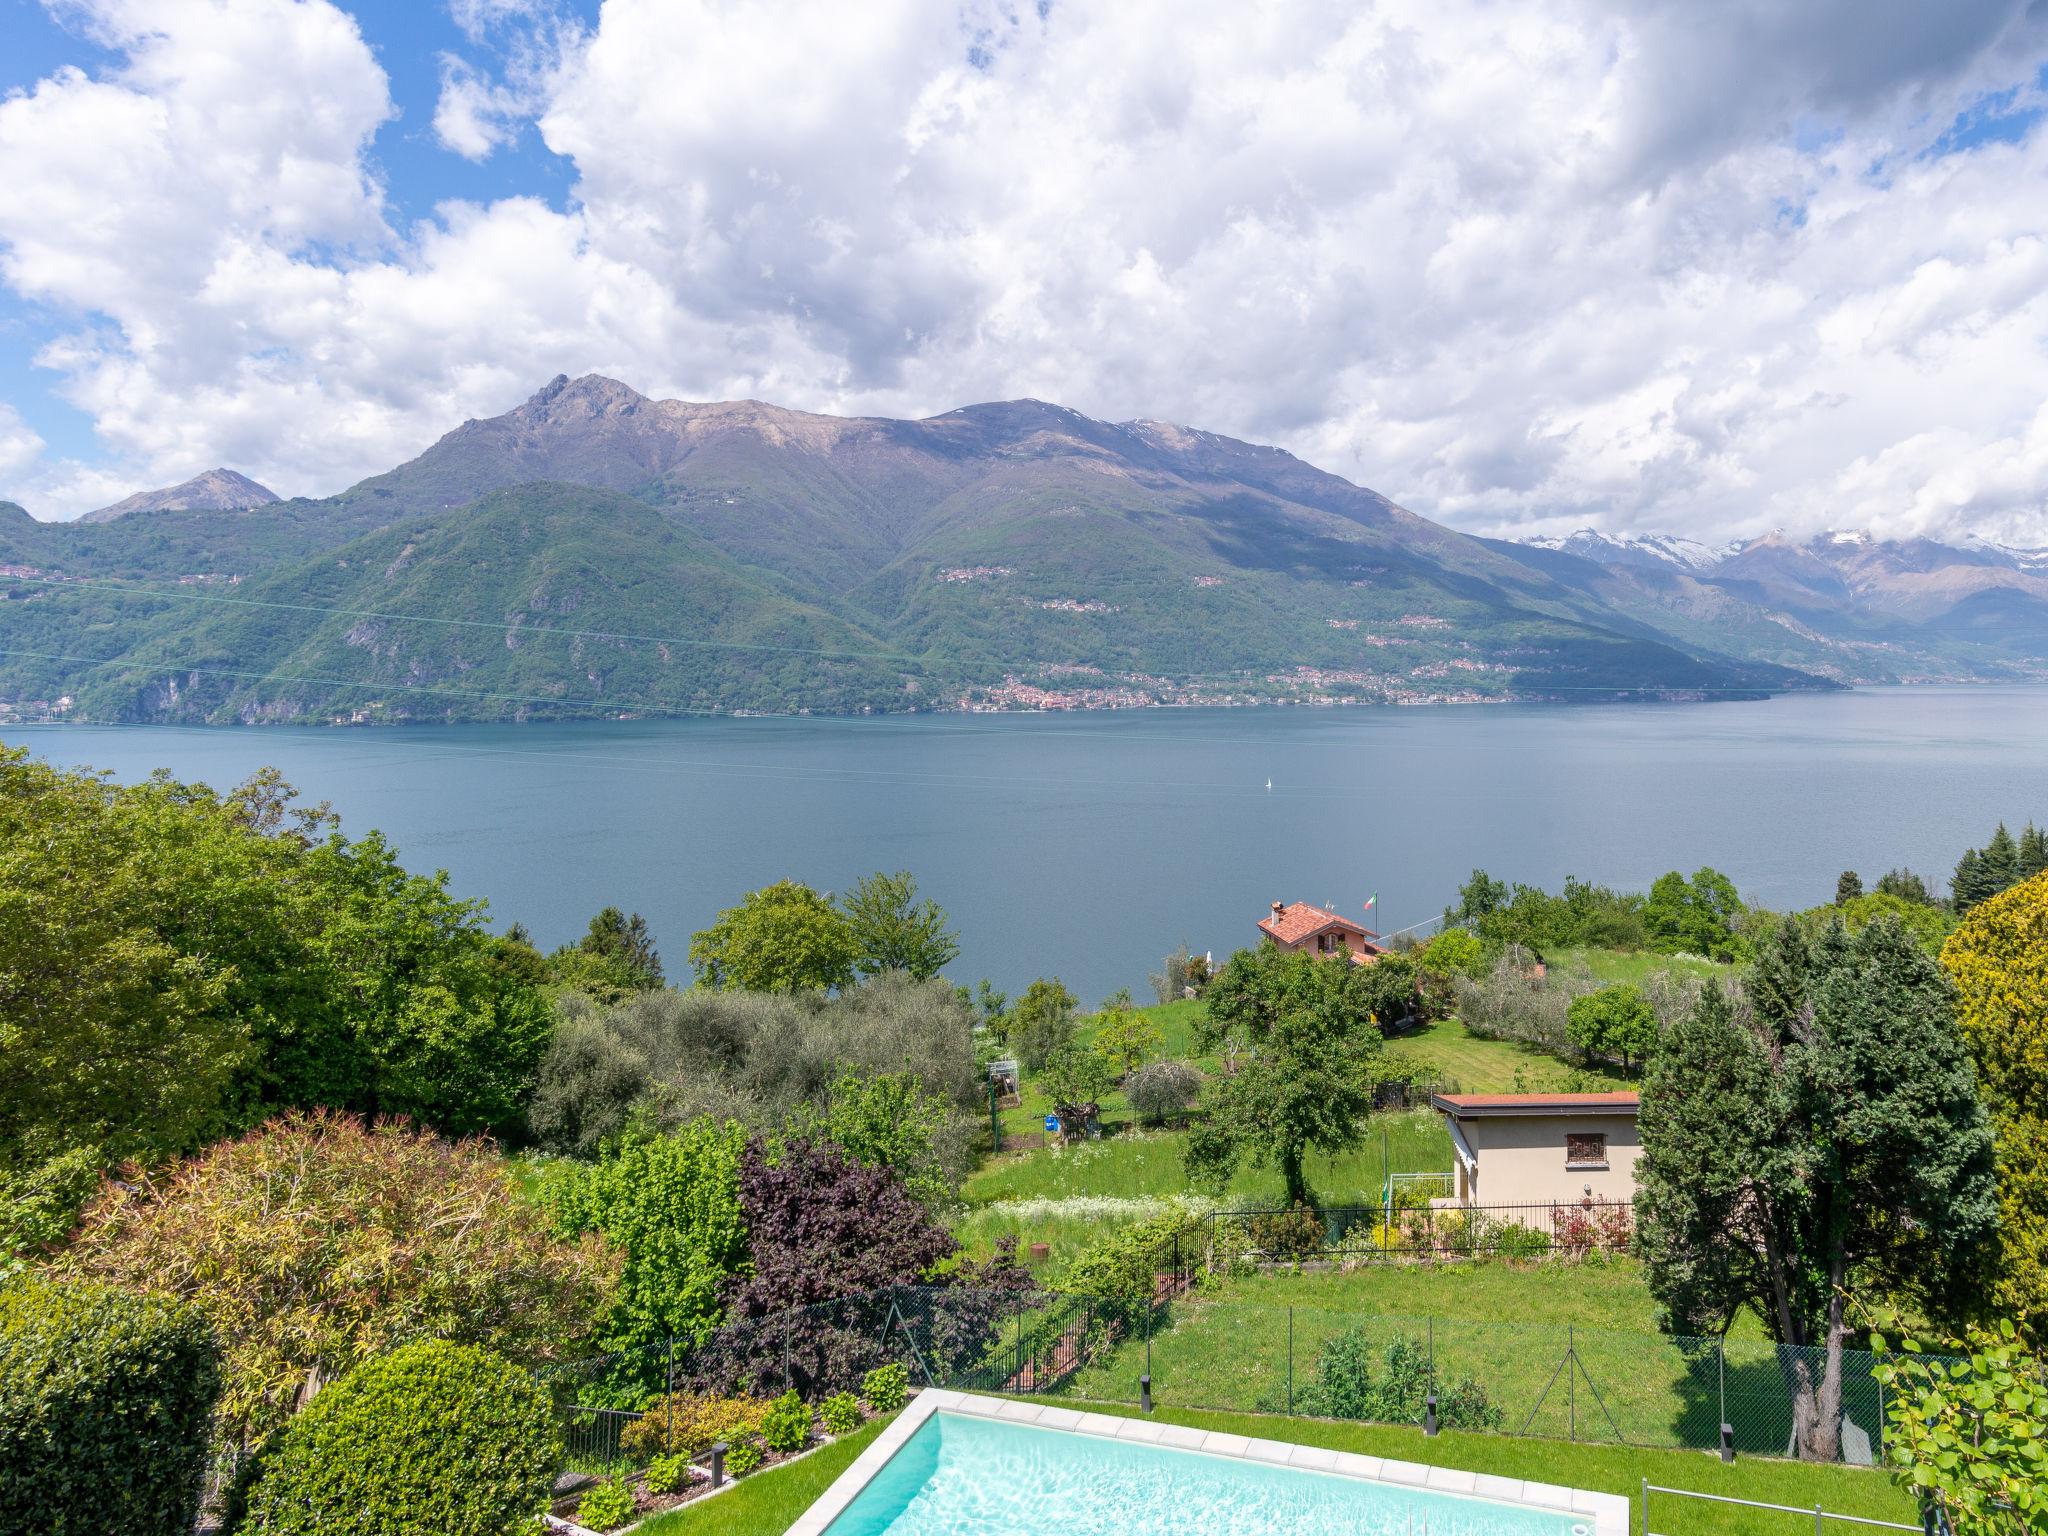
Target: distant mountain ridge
1891 608
215 490
595 552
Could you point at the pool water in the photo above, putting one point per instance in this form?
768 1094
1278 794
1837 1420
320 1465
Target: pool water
970 1476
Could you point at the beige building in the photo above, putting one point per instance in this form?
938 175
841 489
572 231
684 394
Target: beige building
1542 1148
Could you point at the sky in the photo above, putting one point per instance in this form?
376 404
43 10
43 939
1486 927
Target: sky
1639 265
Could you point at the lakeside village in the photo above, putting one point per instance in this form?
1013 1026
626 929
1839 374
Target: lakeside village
325 1207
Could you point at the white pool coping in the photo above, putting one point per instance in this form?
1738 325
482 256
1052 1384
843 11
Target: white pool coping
1606 1514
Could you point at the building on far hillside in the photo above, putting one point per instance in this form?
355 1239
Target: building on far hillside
1302 925
1542 1148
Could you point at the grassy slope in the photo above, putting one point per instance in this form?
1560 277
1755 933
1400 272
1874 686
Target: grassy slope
768 1503
1492 1066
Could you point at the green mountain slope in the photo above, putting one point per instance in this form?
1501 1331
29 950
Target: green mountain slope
544 601
742 556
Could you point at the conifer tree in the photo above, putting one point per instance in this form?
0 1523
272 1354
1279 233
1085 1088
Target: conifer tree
1971 882
2033 851
1848 886
1815 1133
2001 862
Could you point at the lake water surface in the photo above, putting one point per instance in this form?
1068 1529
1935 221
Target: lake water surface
1086 846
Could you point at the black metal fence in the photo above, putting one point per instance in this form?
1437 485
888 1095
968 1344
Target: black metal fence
1562 1229
1198 1351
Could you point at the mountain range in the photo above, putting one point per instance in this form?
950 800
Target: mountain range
597 553
1851 605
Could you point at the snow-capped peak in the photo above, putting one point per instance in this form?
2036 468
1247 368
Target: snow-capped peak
1632 548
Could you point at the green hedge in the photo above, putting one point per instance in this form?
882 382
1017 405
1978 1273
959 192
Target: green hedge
106 1404
432 1439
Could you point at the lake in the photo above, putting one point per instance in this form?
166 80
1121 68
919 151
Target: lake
1086 846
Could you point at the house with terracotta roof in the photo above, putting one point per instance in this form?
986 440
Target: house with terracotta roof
1303 925
1542 1148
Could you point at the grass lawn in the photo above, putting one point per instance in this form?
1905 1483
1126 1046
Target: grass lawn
1494 1066
767 1503
1069 1197
1250 1344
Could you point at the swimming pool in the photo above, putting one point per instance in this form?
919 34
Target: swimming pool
956 1465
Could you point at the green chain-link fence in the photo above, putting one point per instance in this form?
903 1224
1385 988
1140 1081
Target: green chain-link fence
1566 1383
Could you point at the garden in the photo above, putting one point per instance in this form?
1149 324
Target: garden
430 1231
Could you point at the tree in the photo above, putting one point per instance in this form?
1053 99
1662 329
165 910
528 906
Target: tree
1124 1037
1041 1022
619 949
887 1120
825 1226
218 957
2001 861
1178 974
1930 925
1695 916
1971 1446
1822 1128
1478 897
1998 960
1163 1090
1454 952
1074 1081
894 931
670 1205
1307 1085
1905 885
782 938
1848 886
317 1242
2033 852
1615 1021
1392 989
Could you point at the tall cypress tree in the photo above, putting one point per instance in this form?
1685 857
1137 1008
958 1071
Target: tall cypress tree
1848 886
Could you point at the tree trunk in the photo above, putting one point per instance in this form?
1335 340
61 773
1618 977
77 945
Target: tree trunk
1290 1174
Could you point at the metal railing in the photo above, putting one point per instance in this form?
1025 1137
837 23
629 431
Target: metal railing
1818 1515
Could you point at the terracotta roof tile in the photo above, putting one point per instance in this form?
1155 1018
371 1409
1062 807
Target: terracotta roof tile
1303 920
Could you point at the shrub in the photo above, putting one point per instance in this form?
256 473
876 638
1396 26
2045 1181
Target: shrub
605 1506
106 1399
886 1388
1161 1090
1390 1386
434 1439
1292 1234
685 1425
668 1474
318 1242
743 1457
786 1426
672 1203
840 1413
1124 1266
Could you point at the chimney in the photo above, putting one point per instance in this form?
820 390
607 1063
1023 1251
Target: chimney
1278 908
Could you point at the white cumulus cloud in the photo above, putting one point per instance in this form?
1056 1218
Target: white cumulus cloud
1711 270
